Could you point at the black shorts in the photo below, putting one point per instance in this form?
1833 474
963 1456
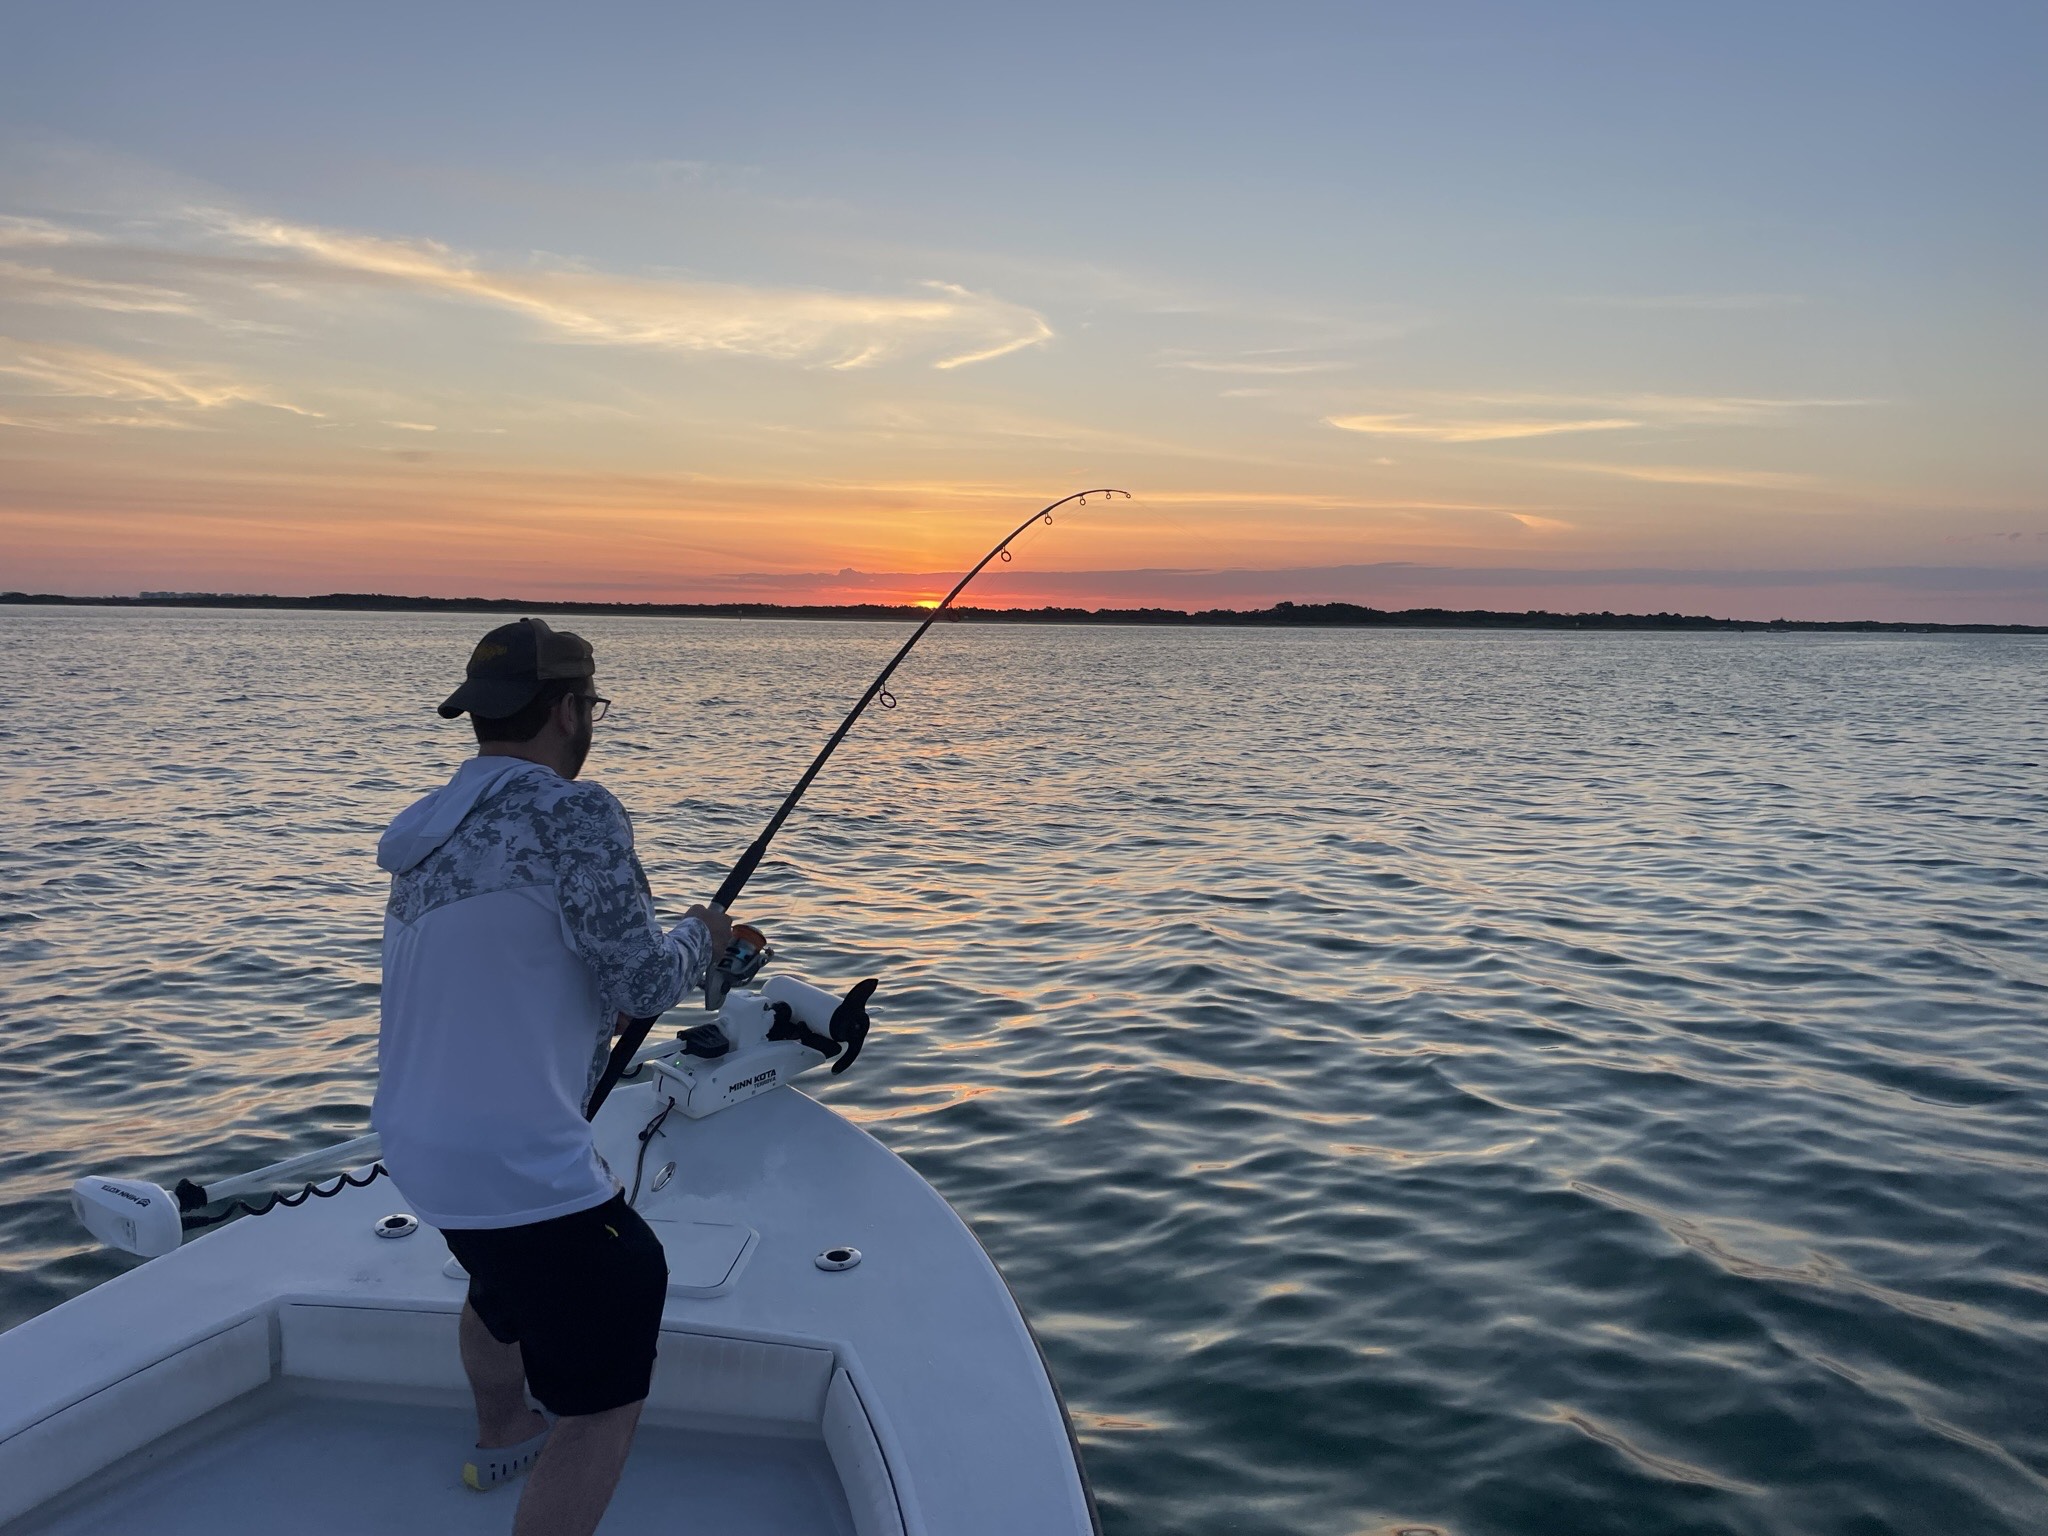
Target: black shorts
580 1295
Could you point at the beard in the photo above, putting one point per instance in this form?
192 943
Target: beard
579 748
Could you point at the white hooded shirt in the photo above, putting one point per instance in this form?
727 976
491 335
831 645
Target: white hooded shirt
519 924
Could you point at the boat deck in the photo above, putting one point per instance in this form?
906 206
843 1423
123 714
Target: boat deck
348 1463
911 1375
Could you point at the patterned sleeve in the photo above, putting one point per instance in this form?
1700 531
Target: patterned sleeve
609 910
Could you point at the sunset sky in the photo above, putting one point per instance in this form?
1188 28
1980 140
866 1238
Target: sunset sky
1738 309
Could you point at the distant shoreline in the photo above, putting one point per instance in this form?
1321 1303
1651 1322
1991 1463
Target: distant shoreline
1285 615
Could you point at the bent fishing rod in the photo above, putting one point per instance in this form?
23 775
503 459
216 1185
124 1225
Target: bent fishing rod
634 1035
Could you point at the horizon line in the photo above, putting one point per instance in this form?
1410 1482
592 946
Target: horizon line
1283 614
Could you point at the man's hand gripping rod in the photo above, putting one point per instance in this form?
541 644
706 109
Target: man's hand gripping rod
635 1033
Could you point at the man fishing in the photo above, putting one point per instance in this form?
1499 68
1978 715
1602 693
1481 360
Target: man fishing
520 927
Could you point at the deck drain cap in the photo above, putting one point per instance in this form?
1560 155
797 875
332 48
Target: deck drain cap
842 1257
399 1224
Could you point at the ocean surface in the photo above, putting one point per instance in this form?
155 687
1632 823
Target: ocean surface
1494 1084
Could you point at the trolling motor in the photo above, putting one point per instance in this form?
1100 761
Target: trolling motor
759 1041
143 1218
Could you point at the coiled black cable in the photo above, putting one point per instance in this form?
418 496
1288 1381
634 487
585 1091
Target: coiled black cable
193 1221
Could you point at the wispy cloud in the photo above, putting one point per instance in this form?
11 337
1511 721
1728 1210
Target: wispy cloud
16 231
1476 431
1498 416
89 374
1681 474
1660 409
1254 366
75 422
819 326
22 284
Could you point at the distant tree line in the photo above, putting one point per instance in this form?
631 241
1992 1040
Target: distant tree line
1280 615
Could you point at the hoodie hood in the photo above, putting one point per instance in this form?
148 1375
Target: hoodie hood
427 823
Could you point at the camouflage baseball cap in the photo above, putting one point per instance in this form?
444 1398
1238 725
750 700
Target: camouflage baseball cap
510 663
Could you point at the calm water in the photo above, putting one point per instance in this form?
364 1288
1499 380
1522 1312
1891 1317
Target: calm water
1500 1083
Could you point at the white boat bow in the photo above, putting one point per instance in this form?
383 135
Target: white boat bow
838 1355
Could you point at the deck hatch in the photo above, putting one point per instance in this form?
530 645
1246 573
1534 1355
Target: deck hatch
704 1257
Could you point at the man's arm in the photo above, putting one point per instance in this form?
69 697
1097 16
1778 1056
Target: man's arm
609 914
720 927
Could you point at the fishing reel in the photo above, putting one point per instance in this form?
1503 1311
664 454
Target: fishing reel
740 964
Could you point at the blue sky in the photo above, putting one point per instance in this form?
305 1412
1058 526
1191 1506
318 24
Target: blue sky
669 301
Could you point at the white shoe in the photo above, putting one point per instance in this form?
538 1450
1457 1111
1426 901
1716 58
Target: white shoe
502 1463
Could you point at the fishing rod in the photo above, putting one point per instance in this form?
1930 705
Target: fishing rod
635 1033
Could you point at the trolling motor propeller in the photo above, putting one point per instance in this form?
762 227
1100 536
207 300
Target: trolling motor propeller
850 1023
849 1027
